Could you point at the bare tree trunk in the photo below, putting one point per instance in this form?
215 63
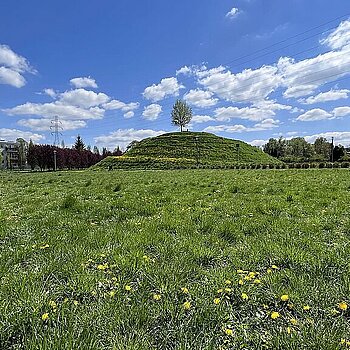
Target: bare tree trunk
181 127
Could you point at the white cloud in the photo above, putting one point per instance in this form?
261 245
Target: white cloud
332 95
152 111
83 98
123 137
125 107
267 124
129 114
83 82
13 134
45 124
12 67
258 143
341 111
340 137
196 119
50 110
315 114
339 37
50 92
248 86
200 98
233 13
184 70
167 87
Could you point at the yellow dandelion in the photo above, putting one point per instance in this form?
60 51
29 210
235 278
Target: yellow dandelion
52 304
75 302
275 267
112 293
184 290
219 291
306 307
293 321
128 288
244 296
240 271
275 315
251 274
269 271
257 281
146 258
228 290
284 297
217 301
228 282
228 331
343 306
65 300
241 282
289 330
45 316
186 305
157 297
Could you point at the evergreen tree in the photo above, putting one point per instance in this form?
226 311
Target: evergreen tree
181 114
79 144
96 150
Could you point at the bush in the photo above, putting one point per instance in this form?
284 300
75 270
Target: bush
313 165
306 166
263 166
345 164
257 166
336 165
297 166
329 165
321 165
291 165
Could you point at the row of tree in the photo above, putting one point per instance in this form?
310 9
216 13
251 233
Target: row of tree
77 157
299 150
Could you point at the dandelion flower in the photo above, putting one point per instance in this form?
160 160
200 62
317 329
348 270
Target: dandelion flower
157 297
228 282
219 291
244 296
269 271
284 297
343 306
240 271
184 290
306 307
275 267
257 281
217 301
228 332
52 304
128 288
289 330
241 282
275 315
75 302
228 290
112 293
45 316
293 321
186 305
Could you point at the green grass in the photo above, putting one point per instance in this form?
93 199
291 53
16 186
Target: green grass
71 242
187 150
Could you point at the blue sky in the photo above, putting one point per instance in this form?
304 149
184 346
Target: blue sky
111 70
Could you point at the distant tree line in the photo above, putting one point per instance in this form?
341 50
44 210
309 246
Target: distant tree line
298 150
77 157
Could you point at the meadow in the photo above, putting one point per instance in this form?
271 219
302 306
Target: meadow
190 259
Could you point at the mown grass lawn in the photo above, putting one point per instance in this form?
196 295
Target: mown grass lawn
175 260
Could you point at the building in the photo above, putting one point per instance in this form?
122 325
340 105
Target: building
13 154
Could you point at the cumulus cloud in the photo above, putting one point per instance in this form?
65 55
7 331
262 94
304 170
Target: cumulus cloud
83 98
45 124
341 111
233 13
152 111
184 70
167 87
340 137
83 82
123 137
339 37
200 98
50 92
12 67
332 95
196 119
128 108
13 134
315 114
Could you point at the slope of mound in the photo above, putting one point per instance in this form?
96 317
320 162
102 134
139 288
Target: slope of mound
186 150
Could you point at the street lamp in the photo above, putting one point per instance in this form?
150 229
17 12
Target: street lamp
55 159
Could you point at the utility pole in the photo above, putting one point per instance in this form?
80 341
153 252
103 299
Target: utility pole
55 159
56 128
332 154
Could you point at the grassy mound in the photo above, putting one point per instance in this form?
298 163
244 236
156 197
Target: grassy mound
187 150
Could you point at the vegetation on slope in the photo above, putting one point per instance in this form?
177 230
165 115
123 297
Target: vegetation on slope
175 260
187 150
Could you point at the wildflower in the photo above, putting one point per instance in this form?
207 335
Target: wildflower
275 267
275 315
52 304
284 297
184 290
102 255
240 271
269 271
228 282
257 281
65 301
241 282
252 274
128 288
343 306
289 330
228 290
157 297
112 293
334 312
45 316
217 301
186 305
146 258
75 302
293 321
228 332
244 296
265 306
102 267
220 291
44 246
306 307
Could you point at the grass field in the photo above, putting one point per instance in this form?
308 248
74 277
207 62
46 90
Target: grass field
193 259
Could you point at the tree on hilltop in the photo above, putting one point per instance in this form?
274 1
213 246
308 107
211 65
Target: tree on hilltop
181 114
79 144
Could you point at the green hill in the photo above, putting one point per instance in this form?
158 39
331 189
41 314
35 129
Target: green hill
187 150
